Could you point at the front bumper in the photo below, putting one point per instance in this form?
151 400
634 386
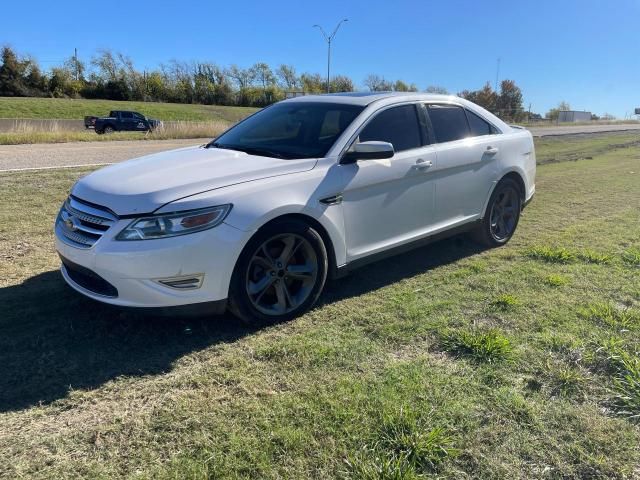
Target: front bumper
134 268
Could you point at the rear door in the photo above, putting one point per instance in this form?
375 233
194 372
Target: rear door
389 202
468 154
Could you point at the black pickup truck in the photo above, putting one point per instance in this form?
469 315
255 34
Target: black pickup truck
122 121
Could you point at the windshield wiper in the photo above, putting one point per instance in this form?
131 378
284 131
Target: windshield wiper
250 150
264 152
217 145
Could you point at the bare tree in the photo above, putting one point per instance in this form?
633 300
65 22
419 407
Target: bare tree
437 89
375 83
244 78
288 78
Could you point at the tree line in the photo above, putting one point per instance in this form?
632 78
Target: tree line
113 76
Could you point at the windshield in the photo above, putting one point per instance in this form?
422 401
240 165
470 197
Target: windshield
290 130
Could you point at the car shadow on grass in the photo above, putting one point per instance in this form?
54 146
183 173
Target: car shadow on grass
53 340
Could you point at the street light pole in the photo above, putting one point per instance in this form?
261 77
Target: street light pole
328 39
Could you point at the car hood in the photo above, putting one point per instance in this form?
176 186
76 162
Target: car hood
144 184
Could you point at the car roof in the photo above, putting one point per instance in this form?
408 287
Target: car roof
366 98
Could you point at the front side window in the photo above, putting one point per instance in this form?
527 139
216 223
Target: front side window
290 129
397 125
127 115
449 122
478 125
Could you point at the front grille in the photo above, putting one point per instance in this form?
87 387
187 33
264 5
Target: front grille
82 225
88 279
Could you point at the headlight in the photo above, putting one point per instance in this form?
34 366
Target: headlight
174 224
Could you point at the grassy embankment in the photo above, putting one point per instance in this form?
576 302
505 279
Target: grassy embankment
184 121
449 361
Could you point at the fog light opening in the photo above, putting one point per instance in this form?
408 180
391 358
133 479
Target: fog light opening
184 282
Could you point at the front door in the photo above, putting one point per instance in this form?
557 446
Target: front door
389 202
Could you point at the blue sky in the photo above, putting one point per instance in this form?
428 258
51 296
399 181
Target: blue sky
584 52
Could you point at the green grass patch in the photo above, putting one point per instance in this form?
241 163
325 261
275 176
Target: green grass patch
611 315
565 380
626 386
64 108
551 254
482 346
405 445
556 280
631 257
505 302
590 256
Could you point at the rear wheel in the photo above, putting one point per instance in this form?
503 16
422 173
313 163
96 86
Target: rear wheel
280 274
108 129
502 216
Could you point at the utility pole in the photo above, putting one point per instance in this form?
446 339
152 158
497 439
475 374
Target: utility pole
329 39
75 61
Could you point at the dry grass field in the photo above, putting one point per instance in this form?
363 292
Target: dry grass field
24 132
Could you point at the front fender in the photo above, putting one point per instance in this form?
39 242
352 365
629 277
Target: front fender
258 202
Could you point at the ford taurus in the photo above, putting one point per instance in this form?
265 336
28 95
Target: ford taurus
305 190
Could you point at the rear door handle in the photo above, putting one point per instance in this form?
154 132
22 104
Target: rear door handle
492 150
422 164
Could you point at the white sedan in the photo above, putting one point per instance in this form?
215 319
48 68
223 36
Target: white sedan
302 191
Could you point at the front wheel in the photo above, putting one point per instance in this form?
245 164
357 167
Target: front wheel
502 215
279 275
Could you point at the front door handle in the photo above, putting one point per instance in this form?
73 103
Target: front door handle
422 164
492 150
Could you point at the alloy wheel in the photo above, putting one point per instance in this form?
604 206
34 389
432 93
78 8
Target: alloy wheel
504 214
281 274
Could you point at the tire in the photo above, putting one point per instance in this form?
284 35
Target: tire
280 274
108 129
503 213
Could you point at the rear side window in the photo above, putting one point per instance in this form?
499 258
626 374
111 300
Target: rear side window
397 125
449 122
127 115
479 126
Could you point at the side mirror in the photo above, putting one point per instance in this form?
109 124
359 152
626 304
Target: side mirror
368 151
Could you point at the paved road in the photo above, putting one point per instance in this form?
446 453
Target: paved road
581 129
17 157
51 155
